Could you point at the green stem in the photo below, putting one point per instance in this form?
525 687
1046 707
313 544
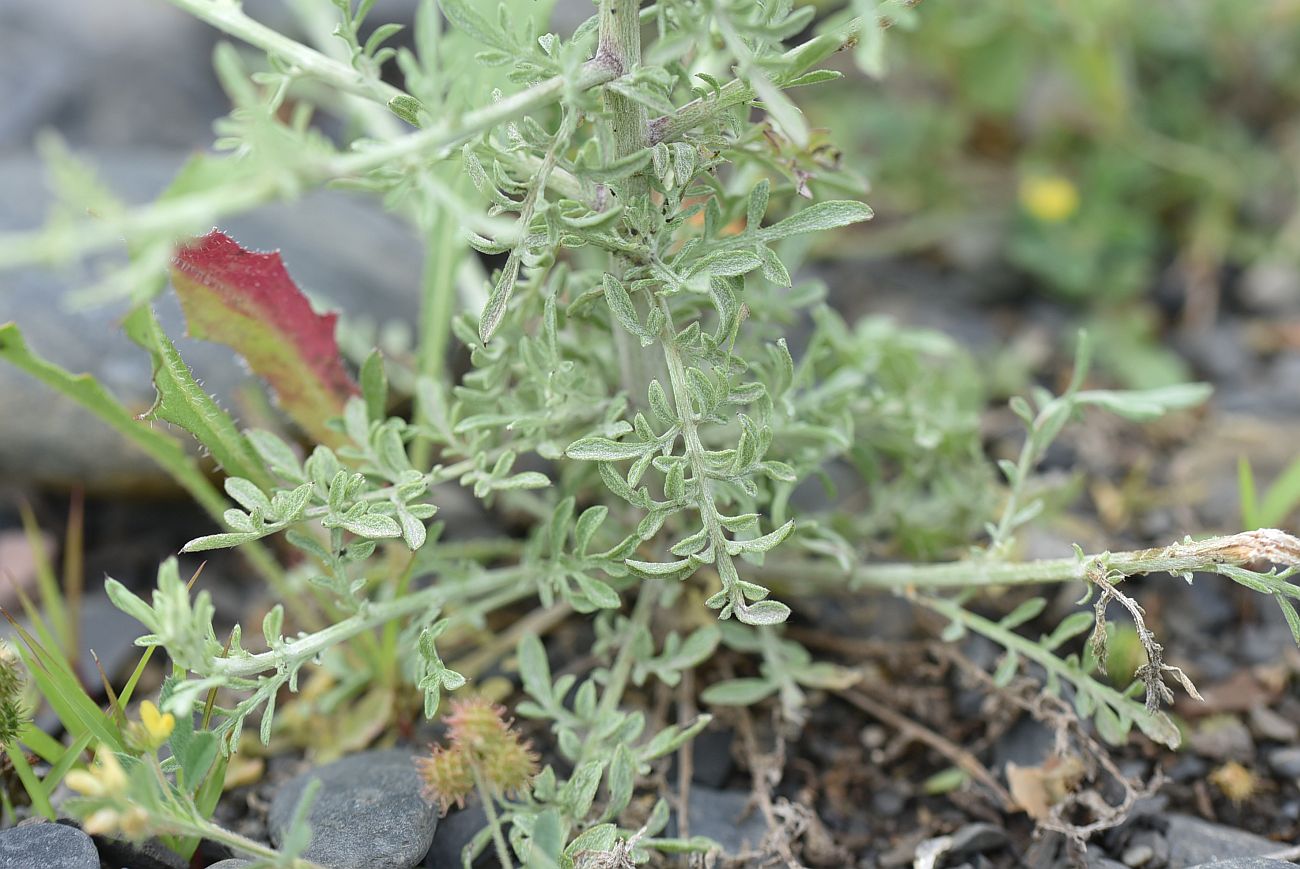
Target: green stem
494 819
372 615
670 128
229 18
619 674
695 455
203 209
1212 555
443 252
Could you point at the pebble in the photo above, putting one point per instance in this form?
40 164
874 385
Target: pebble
1285 761
50 846
977 839
1268 724
1222 737
1193 841
232 863
369 813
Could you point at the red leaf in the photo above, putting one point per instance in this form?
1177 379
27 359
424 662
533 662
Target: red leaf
247 301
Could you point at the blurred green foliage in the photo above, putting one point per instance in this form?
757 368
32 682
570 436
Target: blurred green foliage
1173 122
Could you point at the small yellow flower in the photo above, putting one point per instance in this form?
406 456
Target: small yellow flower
157 725
104 778
1049 198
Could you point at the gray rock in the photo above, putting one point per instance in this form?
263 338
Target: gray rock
1285 761
1246 863
726 817
455 831
711 762
1267 724
103 90
1147 848
978 839
1222 737
369 813
345 252
49 846
149 854
232 863
1026 743
1193 841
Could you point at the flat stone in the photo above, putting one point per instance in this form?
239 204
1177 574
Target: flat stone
1193 841
1222 737
369 813
341 248
726 817
1268 724
50 846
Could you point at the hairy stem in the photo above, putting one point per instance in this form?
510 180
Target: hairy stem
229 18
1212 555
197 211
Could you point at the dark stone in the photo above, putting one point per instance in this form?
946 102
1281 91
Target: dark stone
1246 863
1193 841
1146 848
1026 743
150 854
978 839
711 761
888 802
1285 761
725 817
49 846
370 812
1187 768
455 832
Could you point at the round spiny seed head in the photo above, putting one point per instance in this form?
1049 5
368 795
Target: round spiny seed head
447 777
11 673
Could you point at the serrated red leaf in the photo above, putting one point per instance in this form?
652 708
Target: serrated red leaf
247 301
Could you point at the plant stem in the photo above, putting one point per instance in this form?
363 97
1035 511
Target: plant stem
1237 550
443 252
494 819
647 598
229 18
193 213
695 455
670 128
373 615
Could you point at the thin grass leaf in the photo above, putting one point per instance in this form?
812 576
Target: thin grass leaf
31 784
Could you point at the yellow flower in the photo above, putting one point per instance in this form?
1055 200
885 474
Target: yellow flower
1049 198
104 778
157 725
